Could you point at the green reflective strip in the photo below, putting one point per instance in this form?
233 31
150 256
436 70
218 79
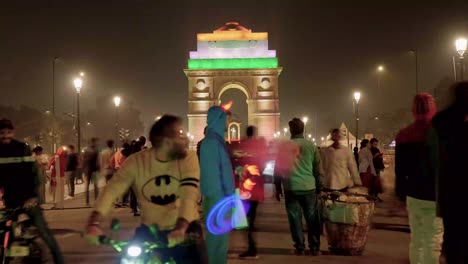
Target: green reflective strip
9 160
250 63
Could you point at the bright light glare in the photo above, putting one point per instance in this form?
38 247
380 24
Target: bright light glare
81 74
305 119
460 45
117 101
134 251
357 96
78 84
380 68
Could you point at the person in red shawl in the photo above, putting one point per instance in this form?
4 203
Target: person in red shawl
61 157
249 165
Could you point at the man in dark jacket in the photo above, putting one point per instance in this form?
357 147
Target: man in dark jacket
449 146
415 180
91 168
18 166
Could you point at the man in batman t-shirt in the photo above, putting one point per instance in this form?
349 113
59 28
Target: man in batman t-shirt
165 179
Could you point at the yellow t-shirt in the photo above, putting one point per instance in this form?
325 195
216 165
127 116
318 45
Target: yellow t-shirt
165 190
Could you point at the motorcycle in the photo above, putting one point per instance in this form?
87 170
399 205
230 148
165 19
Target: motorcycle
21 242
142 249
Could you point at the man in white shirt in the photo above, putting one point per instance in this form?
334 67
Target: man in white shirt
339 166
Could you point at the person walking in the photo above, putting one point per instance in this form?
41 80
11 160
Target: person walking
91 168
105 160
42 162
377 160
302 185
249 166
415 182
71 171
137 146
366 169
216 177
356 155
339 167
57 167
118 159
448 144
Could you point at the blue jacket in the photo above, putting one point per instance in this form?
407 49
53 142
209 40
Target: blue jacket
216 170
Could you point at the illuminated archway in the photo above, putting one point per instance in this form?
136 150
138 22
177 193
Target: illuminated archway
234 57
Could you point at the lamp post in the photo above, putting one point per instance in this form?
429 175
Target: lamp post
117 101
460 45
54 139
357 97
415 53
380 70
78 83
305 119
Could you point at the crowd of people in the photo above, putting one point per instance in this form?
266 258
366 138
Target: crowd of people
167 181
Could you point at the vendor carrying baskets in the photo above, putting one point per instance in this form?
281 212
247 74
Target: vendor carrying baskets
347 218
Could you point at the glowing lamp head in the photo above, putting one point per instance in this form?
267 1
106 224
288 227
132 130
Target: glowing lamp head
380 68
117 101
305 119
134 251
285 130
78 83
81 74
460 45
357 96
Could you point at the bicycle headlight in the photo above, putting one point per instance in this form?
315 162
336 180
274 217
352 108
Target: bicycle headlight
134 251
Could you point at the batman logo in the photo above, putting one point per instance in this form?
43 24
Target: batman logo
161 190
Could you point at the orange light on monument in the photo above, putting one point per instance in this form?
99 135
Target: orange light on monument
226 107
232 35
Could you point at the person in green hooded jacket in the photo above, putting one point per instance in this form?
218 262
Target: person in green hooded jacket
302 185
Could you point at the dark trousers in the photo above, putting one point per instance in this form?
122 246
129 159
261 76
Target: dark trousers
133 201
251 215
296 203
71 177
92 177
125 197
193 253
455 234
38 220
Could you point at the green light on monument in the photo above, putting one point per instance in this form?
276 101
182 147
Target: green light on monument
249 63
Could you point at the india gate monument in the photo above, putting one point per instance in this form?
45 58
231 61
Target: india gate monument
234 57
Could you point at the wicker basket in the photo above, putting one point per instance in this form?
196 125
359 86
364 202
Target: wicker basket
349 239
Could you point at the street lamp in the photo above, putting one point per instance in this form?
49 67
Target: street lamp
460 45
117 101
309 136
81 74
357 97
305 119
78 83
285 131
380 70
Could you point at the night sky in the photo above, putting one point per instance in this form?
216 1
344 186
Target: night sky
138 49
